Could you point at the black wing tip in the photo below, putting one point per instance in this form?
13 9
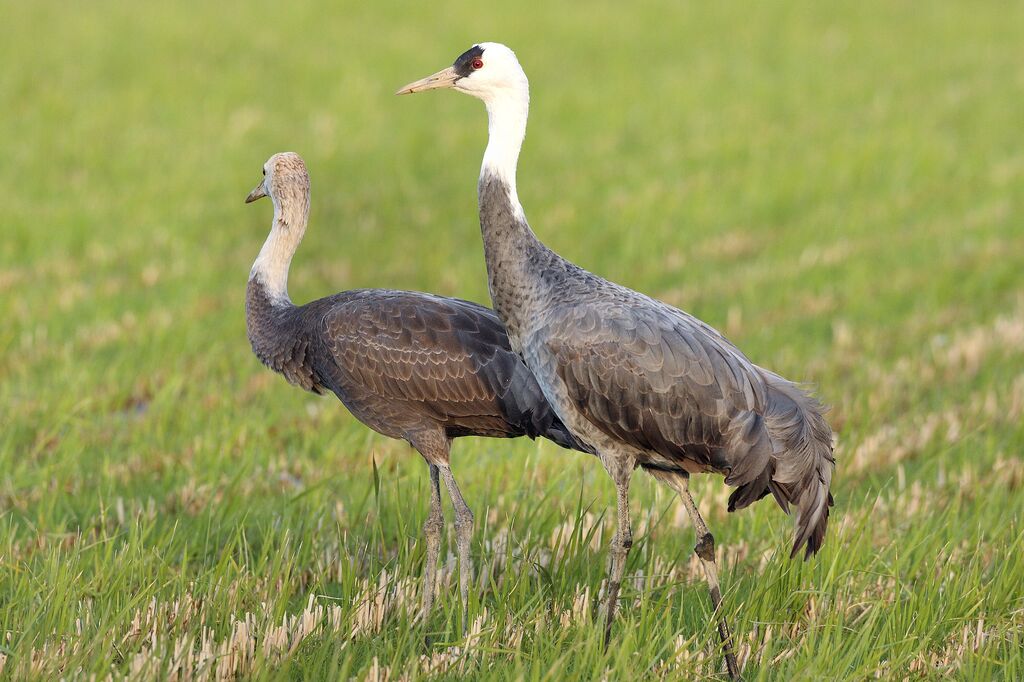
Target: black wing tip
812 537
559 434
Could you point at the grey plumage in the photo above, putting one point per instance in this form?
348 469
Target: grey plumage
642 383
655 379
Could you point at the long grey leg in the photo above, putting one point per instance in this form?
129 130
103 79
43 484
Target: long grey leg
432 531
463 534
622 541
705 550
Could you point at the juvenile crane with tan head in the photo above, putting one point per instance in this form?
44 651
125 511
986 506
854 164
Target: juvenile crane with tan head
417 367
643 383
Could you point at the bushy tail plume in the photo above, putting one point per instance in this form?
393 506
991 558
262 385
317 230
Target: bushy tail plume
802 463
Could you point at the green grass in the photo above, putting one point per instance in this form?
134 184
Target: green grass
839 188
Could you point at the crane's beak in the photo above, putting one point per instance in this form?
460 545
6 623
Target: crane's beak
445 78
257 193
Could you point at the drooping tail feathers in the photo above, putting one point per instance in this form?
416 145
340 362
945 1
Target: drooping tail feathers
527 410
560 434
800 471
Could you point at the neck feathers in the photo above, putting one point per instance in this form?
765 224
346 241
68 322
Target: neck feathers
507 113
511 251
271 266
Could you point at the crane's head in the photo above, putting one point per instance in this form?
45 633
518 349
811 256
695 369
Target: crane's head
486 71
284 178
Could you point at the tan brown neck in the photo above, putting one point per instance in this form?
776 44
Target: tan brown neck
271 266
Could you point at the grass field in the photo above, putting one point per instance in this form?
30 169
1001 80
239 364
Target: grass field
839 188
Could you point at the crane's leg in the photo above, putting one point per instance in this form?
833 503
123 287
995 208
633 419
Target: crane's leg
463 534
621 470
432 531
705 550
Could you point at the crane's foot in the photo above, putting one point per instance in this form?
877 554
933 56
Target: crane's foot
463 536
464 532
705 551
432 533
619 551
621 470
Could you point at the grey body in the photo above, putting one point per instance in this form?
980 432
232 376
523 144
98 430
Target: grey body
638 381
409 365
650 385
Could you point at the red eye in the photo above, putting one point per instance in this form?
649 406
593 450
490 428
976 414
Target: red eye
477 64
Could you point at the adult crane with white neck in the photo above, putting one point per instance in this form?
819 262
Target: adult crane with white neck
417 367
643 383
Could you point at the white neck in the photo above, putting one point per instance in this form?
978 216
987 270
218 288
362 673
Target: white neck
507 113
271 266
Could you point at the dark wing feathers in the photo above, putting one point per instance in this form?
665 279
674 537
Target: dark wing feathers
663 382
403 359
657 380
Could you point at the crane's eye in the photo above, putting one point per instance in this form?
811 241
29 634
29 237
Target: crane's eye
477 64
264 172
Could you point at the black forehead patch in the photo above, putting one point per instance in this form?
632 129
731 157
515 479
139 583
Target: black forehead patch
463 65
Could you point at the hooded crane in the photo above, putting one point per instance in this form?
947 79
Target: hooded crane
643 383
411 366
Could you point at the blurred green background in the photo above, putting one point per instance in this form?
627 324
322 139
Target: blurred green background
837 187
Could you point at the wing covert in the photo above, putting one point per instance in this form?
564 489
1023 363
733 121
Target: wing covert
659 380
423 350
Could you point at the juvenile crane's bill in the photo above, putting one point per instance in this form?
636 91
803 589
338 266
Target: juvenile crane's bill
643 383
258 192
412 366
